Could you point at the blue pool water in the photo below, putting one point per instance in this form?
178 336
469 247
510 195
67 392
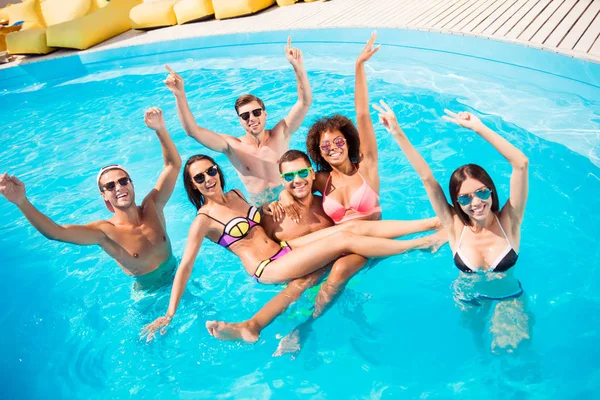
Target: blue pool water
70 320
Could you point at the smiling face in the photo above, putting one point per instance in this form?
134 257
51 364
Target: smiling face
299 188
478 209
121 196
254 125
201 170
330 149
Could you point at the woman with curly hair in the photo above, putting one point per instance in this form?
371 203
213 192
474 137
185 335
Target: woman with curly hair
347 174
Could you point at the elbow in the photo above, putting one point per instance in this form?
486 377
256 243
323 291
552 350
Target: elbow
428 179
308 99
177 163
522 163
189 132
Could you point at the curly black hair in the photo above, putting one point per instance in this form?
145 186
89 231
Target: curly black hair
329 124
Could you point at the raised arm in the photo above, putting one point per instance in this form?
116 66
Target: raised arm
434 191
519 179
14 191
368 143
172 160
294 119
208 138
196 235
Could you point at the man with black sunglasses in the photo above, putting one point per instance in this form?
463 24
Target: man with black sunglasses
135 236
255 154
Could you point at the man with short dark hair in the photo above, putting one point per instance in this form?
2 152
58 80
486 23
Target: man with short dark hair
136 237
255 154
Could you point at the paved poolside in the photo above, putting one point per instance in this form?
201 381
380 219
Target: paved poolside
569 27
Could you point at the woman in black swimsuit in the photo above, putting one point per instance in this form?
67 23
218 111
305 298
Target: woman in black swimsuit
484 238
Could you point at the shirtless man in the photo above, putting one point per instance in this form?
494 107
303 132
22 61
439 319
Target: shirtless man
255 154
295 165
135 237
281 227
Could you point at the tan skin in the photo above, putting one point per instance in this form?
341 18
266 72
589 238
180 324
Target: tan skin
255 154
344 179
279 226
135 236
483 241
309 253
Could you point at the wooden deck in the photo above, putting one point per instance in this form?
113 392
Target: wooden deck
570 27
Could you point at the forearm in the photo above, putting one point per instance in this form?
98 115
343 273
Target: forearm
412 155
361 92
185 115
170 154
206 137
42 223
179 283
303 87
513 155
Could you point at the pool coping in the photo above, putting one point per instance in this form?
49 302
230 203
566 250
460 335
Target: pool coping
491 50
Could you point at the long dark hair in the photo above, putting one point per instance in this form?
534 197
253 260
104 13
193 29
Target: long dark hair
194 194
460 175
330 124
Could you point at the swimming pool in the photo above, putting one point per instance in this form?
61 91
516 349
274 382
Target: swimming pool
71 321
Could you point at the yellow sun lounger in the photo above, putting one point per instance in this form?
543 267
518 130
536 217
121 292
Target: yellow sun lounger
153 15
236 8
193 10
91 29
169 12
48 13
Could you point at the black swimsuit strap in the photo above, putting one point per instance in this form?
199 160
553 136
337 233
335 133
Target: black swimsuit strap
214 219
240 196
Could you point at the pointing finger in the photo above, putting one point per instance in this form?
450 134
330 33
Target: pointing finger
170 70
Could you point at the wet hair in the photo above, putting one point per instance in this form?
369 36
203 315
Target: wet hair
193 193
330 124
293 155
245 99
460 175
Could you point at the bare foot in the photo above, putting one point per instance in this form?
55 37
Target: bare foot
293 342
248 331
436 240
289 344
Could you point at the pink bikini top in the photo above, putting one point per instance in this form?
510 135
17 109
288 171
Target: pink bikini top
365 201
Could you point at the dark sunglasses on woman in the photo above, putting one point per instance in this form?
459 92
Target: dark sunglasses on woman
200 177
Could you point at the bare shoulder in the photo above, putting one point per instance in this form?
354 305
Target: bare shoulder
321 180
104 226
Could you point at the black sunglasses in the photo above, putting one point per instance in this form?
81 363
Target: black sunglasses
110 186
246 115
200 177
